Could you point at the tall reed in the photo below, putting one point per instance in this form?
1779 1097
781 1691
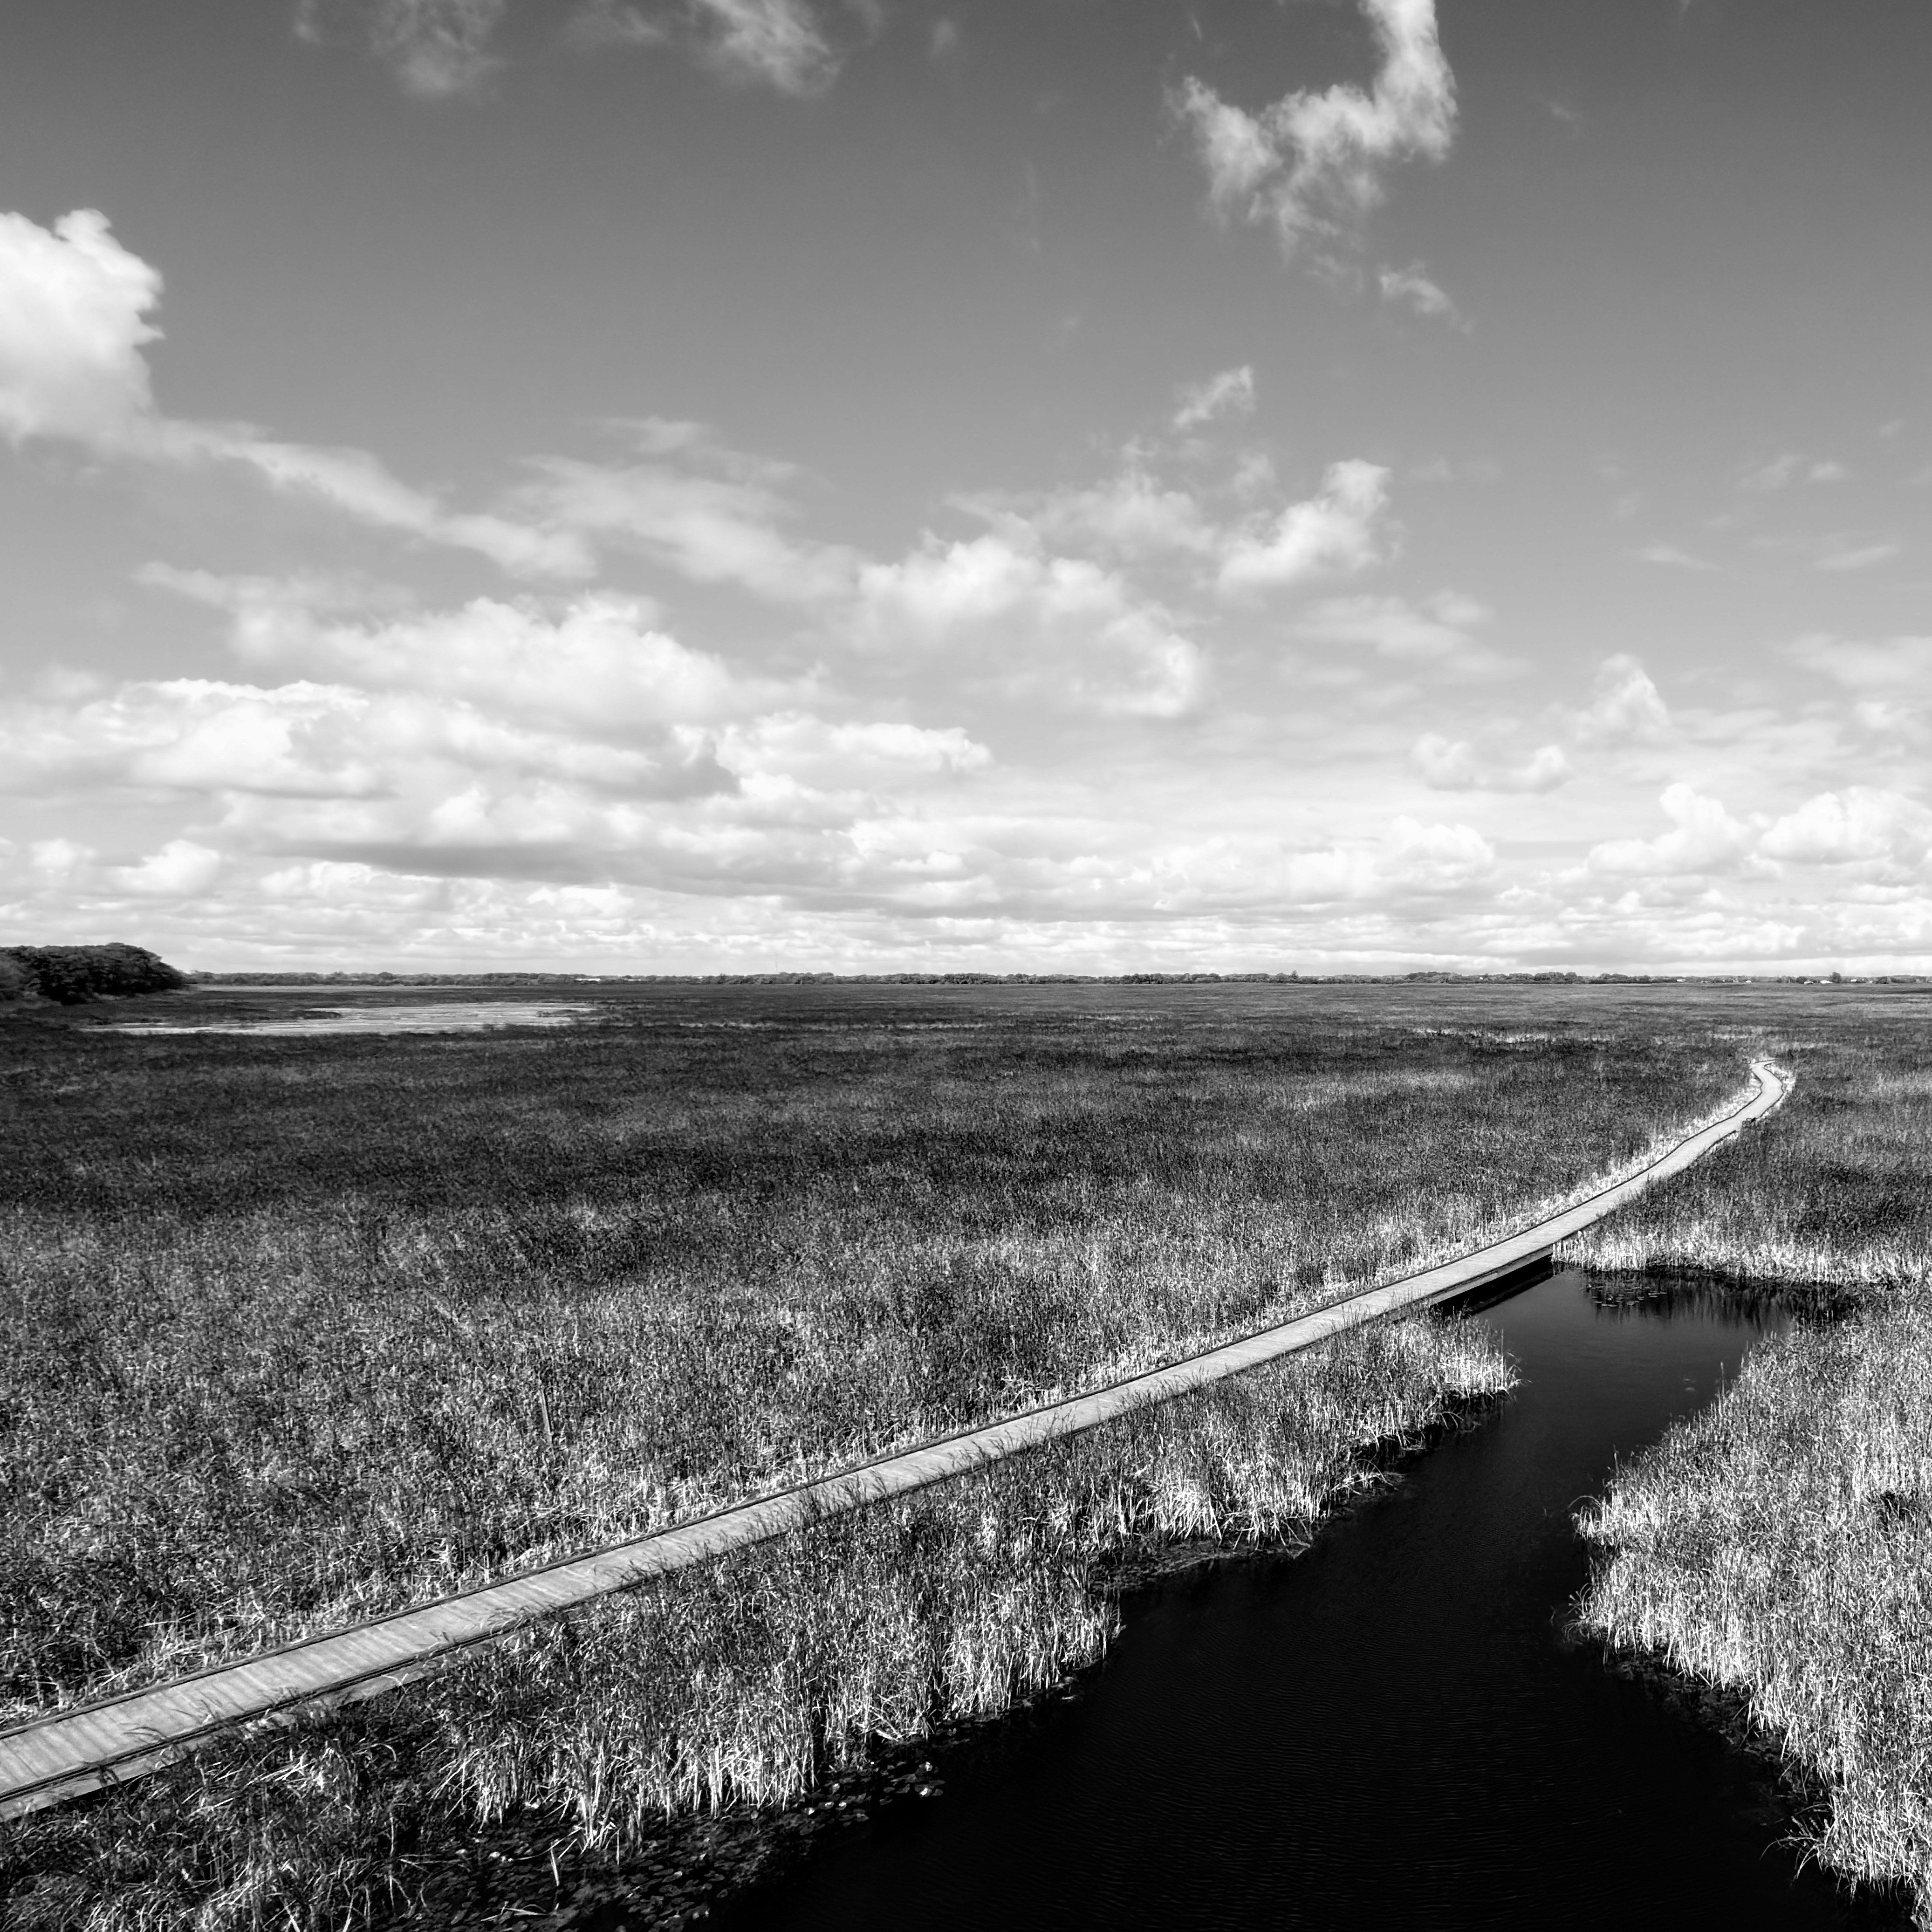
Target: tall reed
296 1329
746 1684
1779 1545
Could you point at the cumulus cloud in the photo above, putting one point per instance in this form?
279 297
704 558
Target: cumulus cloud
180 869
1314 165
1703 838
1036 625
451 787
73 324
1455 765
1625 707
600 665
73 309
1132 514
1861 824
1338 529
1410 860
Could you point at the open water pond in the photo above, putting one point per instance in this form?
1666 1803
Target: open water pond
1391 1731
437 1016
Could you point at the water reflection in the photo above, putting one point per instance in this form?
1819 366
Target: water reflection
441 1016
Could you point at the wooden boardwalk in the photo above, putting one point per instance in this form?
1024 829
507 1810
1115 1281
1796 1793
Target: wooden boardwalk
48 1760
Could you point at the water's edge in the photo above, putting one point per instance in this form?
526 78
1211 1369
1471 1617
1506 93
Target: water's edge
1397 1728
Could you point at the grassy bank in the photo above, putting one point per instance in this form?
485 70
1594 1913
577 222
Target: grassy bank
296 1329
749 1683
1780 1545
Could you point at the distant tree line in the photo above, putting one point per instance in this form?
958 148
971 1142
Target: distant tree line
71 975
811 978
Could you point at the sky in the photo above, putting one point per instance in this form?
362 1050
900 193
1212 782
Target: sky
1011 485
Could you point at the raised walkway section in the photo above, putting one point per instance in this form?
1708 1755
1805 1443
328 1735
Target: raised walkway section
48 1760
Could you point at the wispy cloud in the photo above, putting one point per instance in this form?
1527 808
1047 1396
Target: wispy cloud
74 326
782 44
1229 393
710 513
1440 629
1313 166
778 42
1783 471
436 49
1672 557
1412 288
1855 556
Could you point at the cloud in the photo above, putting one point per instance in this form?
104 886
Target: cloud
599 666
1313 164
1783 471
1703 838
1132 515
710 513
1672 558
180 869
1455 765
1215 517
1439 629
73 308
1001 613
1338 530
436 49
1411 859
447 772
610 23
1230 393
1861 824
1412 287
1896 666
777 43
1625 707
1853 556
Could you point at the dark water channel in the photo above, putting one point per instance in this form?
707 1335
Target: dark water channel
1389 1731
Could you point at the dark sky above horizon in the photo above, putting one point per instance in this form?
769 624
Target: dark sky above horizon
866 483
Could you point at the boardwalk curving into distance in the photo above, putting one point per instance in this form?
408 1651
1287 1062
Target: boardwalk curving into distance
46 1760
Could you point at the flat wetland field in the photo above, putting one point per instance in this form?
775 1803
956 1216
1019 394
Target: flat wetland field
298 1329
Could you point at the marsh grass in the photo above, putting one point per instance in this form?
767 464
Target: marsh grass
742 1685
1778 1546
295 1331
